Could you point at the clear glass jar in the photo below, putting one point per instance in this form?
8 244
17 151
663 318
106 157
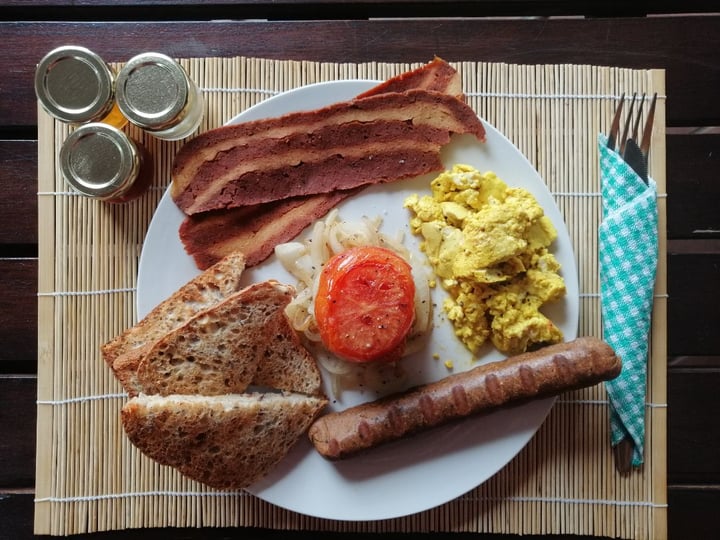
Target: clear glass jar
156 94
75 85
102 162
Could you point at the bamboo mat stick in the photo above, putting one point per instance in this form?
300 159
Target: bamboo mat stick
46 328
657 384
90 478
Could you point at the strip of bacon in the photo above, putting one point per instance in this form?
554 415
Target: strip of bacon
310 152
256 230
253 230
436 76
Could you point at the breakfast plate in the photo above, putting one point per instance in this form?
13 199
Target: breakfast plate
428 469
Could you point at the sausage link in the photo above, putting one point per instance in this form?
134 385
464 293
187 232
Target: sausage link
546 372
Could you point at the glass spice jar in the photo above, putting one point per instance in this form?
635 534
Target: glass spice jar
102 162
156 94
75 86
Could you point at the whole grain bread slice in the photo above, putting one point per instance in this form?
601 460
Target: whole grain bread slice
226 442
286 364
201 292
218 350
244 339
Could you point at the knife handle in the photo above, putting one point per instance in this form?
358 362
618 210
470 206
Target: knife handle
623 452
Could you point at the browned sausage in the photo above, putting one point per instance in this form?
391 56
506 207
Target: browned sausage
549 371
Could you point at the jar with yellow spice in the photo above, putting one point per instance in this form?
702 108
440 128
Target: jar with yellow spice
75 85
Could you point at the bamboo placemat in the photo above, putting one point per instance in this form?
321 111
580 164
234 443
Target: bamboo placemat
90 478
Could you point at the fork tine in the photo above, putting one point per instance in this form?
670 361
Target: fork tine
615 127
624 138
647 131
636 127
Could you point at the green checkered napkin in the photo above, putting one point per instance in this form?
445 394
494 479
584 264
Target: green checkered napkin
628 262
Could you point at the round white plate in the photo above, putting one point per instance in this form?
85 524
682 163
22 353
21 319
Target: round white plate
428 469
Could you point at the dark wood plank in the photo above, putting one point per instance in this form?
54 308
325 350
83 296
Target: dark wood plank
693 315
16 515
18 316
694 442
17 431
542 7
690 57
693 512
693 170
328 9
18 184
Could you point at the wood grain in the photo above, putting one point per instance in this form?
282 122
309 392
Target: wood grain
693 315
18 316
18 184
694 448
692 513
334 9
693 169
693 74
17 444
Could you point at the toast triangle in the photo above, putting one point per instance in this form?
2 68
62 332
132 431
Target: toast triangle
226 442
201 292
219 349
244 339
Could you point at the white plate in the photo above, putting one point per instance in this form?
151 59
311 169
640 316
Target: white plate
428 469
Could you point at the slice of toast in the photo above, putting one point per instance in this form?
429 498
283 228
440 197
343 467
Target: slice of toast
203 291
244 339
219 349
241 340
286 364
226 442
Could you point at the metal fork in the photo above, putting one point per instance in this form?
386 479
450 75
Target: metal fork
635 154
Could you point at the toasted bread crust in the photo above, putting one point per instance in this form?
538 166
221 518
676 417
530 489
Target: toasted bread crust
219 349
286 364
245 339
226 442
201 292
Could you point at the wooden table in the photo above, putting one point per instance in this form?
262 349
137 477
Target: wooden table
684 45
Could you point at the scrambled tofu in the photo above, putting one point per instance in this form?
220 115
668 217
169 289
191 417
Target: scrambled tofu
488 245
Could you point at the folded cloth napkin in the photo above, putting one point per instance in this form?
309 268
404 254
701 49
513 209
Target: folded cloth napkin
628 262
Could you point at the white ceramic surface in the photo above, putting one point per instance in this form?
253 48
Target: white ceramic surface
428 469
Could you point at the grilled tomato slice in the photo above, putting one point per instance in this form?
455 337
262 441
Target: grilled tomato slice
364 305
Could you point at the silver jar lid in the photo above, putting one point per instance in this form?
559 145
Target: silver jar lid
74 84
99 160
152 91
